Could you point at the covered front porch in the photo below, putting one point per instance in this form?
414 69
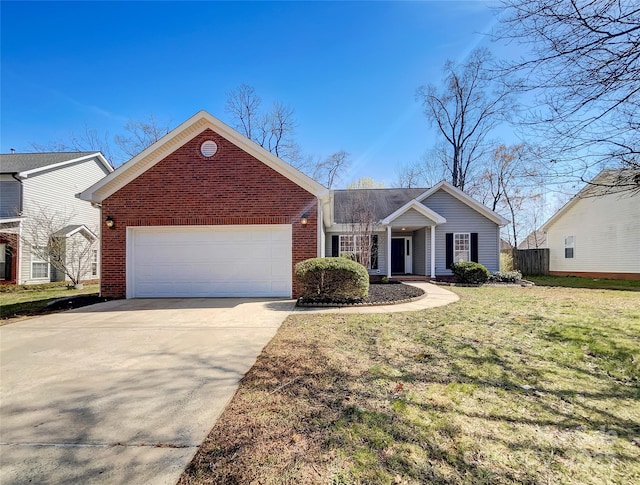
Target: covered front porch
410 234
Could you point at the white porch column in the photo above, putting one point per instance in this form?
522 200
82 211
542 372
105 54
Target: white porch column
388 251
433 251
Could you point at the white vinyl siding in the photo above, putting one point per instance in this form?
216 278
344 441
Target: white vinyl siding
55 191
462 218
607 236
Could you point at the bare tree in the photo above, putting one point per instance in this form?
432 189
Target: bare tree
273 130
140 134
360 217
331 170
88 140
67 247
469 106
365 183
582 67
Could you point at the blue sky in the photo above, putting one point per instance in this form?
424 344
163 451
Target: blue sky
350 69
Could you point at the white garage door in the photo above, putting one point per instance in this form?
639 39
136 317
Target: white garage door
209 261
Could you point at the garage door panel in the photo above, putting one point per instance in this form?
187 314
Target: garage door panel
210 261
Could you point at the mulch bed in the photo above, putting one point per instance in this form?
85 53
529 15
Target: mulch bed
75 302
379 294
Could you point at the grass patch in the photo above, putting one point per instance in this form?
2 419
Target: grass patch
508 385
26 301
580 282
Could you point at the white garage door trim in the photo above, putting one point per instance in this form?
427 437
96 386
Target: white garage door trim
219 259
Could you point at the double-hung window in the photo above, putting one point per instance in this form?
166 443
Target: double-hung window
3 261
356 246
569 245
94 263
461 247
39 266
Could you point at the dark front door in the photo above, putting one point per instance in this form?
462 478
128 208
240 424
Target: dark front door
397 255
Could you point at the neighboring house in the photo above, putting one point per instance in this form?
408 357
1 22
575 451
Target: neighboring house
596 234
207 212
535 240
35 186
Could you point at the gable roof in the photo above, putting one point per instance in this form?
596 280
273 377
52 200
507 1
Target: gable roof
181 135
465 199
414 204
25 164
72 229
383 201
605 177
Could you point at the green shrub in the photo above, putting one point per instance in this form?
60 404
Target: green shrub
505 277
470 273
332 279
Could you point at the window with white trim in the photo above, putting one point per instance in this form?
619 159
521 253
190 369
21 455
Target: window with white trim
569 245
353 245
3 261
461 247
94 263
39 267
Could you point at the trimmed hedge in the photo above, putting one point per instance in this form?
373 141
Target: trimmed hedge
332 279
470 273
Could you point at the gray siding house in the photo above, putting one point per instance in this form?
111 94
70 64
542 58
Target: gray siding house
37 185
415 231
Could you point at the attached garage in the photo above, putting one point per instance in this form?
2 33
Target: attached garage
209 261
206 212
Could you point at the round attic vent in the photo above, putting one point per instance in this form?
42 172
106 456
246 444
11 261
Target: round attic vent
208 148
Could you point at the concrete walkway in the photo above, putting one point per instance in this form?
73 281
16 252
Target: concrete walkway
434 296
123 392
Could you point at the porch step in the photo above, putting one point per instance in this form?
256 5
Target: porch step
410 277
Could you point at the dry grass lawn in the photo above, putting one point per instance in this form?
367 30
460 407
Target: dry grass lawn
508 385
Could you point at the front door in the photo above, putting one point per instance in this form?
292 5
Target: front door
397 255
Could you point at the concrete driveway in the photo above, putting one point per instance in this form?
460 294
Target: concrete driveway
123 391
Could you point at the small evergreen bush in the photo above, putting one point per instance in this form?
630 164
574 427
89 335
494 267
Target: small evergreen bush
470 273
332 279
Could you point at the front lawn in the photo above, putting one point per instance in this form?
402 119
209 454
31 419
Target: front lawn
21 301
509 385
580 282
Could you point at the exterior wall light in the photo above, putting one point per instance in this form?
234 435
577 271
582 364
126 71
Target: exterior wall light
304 220
110 222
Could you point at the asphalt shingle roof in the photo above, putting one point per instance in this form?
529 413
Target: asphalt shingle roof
21 162
384 201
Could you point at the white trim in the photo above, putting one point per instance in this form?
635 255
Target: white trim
88 233
9 221
388 251
177 138
3 260
414 204
468 234
35 259
464 198
433 251
98 155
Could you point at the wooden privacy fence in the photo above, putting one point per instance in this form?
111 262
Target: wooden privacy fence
531 261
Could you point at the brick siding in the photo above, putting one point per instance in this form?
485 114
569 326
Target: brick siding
186 188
